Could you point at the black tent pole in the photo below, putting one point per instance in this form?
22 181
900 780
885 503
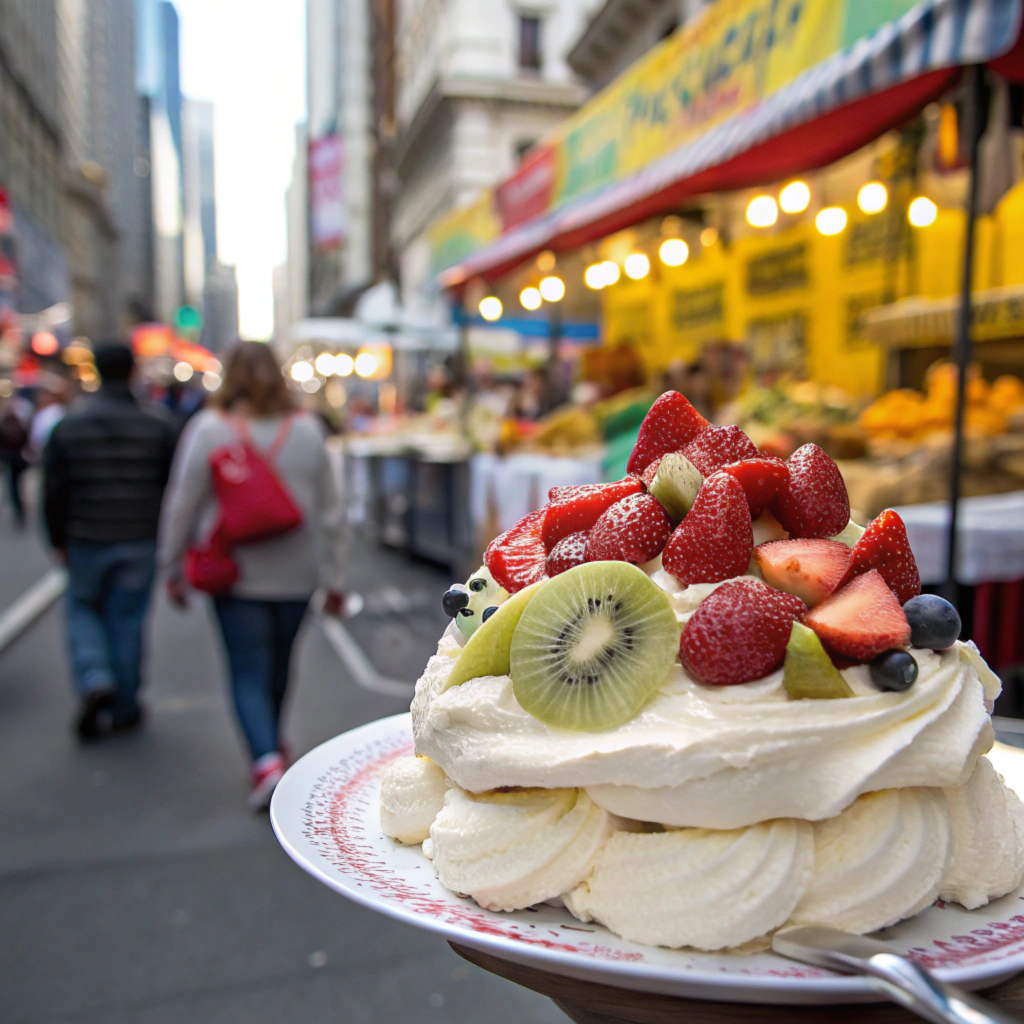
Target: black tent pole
962 343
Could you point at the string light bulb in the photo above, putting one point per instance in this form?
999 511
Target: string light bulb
873 197
922 212
762 211
673 252
529 298
637 266
490 309
831 220
552 288
795 197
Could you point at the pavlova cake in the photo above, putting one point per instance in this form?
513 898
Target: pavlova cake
699 703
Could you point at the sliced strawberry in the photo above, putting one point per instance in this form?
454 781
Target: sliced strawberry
885 547
716 538
761 479
567 553
814 503
717 447
861 620
632 530
670 424
516 558
739 633
811 569
582 507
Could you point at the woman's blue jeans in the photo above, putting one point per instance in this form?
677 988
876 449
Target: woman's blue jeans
259 636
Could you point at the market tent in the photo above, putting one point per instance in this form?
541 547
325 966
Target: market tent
826 111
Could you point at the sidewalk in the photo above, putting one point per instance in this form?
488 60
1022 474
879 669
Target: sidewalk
135 886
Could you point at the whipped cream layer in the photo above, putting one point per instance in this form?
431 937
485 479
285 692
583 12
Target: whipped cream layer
412 793
696 887
718 757
514 849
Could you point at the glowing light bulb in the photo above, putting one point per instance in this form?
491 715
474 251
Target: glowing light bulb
873 197
211 380
552 288
182 372
490 309
324 364
529 298
831 220
344 364
301 371
922 212
593 276
366 364
637 266
673 252
708 237
795 197
762 212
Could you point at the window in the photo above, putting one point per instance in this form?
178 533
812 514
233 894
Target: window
529 43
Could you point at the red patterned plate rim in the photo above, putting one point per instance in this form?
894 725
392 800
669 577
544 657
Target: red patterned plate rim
324 813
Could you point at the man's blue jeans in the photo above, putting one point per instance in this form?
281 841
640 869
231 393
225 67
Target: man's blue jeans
108 593
259 636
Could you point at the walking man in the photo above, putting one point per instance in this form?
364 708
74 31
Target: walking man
105 469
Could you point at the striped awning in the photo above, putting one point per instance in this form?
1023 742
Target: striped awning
823 114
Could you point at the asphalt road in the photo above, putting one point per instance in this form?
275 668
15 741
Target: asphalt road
135 885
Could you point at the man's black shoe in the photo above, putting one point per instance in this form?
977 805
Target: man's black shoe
134 720
95 707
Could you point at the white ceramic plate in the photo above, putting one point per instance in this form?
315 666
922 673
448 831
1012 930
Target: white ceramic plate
325 813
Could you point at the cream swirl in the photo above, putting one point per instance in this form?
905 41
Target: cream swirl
697 887
412 793
510 850
988 839
881 860
718 757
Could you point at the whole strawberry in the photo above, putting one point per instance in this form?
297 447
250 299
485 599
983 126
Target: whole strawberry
670 424
567 553
884 546
739 633
516 558
715 540
717 446
761 479
814 502
578 508
632 530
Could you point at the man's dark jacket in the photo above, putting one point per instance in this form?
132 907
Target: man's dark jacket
105 468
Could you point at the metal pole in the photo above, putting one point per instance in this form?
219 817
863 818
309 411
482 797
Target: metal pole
962 344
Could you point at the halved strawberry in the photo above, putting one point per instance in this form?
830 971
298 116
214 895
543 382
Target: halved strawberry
716 538
739 633
516 558
811 569
761 479
717 447
632 530
814 503
670 424
567 553
861 620
885 547
582 506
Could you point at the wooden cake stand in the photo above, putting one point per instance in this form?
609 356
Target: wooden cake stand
589 1003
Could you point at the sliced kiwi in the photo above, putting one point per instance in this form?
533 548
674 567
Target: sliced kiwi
487 651
850 534
808 671
676 484
593 646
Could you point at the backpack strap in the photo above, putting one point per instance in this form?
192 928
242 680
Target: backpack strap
280 438
241 427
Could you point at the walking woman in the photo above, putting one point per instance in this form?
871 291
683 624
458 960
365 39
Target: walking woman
260 615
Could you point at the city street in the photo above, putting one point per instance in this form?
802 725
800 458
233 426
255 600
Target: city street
135 885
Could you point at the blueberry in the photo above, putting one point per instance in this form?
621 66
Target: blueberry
488 612
893 670
934 622
454 600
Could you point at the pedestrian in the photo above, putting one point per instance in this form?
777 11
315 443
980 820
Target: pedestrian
260 615
105 468
13 439
51 408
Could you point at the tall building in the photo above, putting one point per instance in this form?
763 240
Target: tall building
30 150
220 308
477 85
339 152
200 223
291 282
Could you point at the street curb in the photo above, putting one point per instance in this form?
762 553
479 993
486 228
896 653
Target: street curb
357 664
26 609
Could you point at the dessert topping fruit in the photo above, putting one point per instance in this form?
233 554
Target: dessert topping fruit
811 569
487 651
893 670
454 599
582 507
567 553
808 671
885 547
761 479
632 530
739 633
592 646
715 539
675 482
516 558
934 622
718 446
814 502
861 620
670 424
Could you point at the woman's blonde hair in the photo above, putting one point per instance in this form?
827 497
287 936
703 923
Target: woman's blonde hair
254 377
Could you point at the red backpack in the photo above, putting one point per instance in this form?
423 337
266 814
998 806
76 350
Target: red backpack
254 505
